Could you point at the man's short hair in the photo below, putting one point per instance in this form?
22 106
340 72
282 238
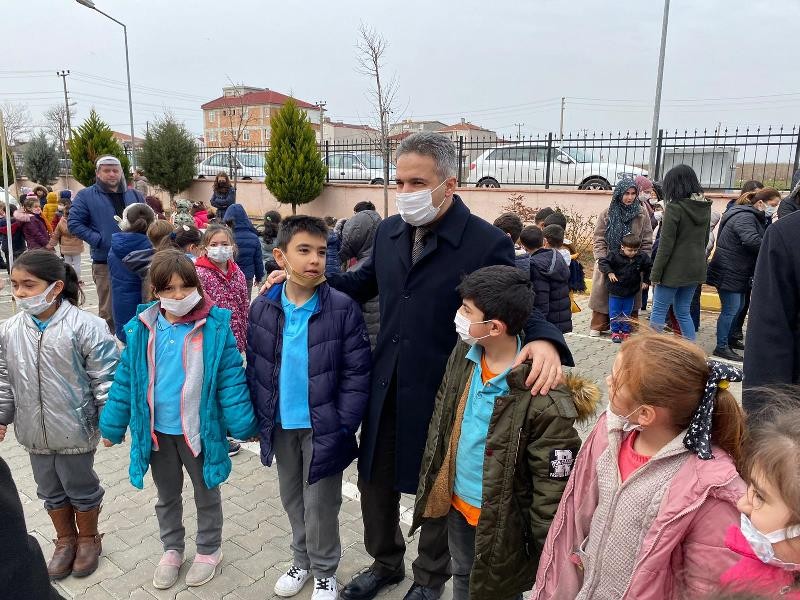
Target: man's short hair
500 292
554 234
433 145
543 213
632 241
557 218
509 223
293 225
531 237
363 205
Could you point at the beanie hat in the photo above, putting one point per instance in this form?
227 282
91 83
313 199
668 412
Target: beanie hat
65 194
107 160
643 184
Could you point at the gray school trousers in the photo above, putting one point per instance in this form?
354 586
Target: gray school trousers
167 464
63 479
313 510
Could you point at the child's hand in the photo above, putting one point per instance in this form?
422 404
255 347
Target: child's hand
612 277
108 443
644 286
3 429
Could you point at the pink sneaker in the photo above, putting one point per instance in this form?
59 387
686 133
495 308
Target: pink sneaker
203 568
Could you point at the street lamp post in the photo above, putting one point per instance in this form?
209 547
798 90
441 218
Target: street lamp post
91 4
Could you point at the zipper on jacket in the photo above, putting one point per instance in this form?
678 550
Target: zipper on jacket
39 380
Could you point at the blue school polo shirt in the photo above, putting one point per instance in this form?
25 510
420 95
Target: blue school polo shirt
293 411
170 375
475 427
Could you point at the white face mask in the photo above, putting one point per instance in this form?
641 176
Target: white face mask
619 422
761 543
658 214
36 305
416 208
462 328
769 211
183 307
220 254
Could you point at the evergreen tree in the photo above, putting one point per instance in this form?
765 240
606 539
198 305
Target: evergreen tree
41 160
92 140
168 156
295 171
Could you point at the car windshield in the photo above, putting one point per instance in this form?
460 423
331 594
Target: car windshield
251 160
371 161
579 155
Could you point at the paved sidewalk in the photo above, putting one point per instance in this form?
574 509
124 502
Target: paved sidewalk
256 531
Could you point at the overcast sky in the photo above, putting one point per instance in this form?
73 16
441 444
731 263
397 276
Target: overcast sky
495 63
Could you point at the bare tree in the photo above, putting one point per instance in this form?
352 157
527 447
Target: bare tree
17 121
239 117
371 48
57 125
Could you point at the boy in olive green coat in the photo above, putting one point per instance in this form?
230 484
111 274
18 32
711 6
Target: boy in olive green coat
497 459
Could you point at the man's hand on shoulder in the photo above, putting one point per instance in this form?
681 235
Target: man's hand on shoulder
546 372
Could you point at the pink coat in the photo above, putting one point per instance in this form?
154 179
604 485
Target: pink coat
201 219
227 290
683 553
751 574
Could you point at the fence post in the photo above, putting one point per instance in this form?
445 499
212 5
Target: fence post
460 158
796 156
657 174
327 162
549 157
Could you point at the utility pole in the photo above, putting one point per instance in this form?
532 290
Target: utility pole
321 104
63 74
657 104
561 126
519 130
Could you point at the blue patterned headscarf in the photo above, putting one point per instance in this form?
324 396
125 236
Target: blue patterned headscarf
620 216
698 437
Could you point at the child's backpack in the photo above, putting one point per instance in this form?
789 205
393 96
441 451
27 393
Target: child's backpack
577 281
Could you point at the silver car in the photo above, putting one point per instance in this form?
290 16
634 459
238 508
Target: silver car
357 166
246 165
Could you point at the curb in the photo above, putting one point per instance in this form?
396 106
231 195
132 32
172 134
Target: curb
709 301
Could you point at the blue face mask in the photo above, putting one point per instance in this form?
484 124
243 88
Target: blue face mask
761 543
620 422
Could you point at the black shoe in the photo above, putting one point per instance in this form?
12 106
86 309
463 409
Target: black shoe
233 447
726 353
366 585
736 343
420 592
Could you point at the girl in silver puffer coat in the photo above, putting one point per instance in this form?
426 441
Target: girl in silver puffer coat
57 363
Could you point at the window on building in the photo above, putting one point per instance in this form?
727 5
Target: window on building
266 133
212 116
212 136
246 135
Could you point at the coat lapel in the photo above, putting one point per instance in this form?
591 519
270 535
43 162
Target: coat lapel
401 234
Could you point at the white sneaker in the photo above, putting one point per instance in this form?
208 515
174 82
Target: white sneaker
595 333
291 582
325 589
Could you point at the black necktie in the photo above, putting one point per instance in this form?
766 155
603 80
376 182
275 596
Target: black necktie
420 235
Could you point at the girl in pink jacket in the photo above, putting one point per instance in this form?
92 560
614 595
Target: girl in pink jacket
768 538
645 510
223 281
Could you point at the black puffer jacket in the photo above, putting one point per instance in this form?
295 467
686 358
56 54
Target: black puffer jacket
550 277
738 242
358 235
792 202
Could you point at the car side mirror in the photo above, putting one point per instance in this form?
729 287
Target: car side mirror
358 168
564 159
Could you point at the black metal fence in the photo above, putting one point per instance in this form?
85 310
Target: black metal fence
723 159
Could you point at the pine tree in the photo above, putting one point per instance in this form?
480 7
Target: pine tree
41 160
92 140
295 171
168 156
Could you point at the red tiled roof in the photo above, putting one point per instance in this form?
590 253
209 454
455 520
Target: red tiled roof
124 137
462 126
255 99
350 125
400 136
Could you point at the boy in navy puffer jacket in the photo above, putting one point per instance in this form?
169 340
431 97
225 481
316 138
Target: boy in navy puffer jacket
308 369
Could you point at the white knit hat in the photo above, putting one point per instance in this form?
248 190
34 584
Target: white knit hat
107 160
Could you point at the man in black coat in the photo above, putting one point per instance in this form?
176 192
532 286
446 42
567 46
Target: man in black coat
772 354
418 259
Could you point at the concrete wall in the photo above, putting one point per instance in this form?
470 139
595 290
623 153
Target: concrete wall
338 199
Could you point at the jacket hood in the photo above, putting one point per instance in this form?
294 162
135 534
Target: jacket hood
235 213
139 261
551 264
739 209
52 198
123 243
697 207
358 235
204 261
584 393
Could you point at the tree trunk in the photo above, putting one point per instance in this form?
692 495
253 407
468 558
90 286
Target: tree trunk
294 208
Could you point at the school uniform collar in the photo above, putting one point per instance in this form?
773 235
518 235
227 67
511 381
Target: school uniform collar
475 353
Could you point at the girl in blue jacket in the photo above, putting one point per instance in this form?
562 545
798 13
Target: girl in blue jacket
179 386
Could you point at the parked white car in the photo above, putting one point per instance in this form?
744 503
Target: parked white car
247 165
357 166
526 164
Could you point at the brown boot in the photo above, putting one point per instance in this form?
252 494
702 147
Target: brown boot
89 547
66 536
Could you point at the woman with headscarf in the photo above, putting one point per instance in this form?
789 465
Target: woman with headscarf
223 195
680 262
358 235
622 217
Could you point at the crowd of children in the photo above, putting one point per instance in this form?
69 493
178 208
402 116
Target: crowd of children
651 505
